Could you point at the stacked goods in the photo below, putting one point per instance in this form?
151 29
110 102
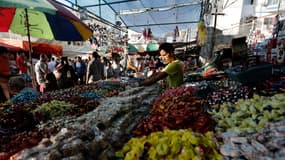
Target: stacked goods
52 110
248 116
15 119
228 91
272 86
19 123
10 145
268 143
97 134
171 144
250 75
24 97
176 109
88 91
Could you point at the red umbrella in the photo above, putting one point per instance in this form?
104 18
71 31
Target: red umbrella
43 19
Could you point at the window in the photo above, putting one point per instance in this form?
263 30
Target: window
247 2
268 22
273 2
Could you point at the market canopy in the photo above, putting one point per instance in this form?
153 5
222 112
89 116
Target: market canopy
10 47
161 16
38 48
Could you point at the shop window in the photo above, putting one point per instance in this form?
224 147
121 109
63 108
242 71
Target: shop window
273 2
268 23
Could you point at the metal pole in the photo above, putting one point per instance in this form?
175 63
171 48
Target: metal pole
30 49
100 8
278 8
214 31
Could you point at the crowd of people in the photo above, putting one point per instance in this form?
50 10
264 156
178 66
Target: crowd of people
52 73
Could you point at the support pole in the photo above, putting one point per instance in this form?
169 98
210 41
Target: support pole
30 49
213 39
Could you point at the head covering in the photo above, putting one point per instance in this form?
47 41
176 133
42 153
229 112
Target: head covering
3 50
95 54
17 81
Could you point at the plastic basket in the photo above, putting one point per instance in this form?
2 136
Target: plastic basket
251 75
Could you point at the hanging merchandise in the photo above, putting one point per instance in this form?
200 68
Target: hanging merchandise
144 33
149 34
176 33
201 33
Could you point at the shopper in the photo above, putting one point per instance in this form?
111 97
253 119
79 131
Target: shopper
41 69
95 69
51 64
51 82
116 67
80 69
22 65
17 85
131 66
4 72
65 74
173 71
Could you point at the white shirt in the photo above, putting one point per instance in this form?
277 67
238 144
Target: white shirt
51 66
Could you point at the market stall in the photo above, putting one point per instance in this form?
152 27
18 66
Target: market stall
230 112
101 121
37 48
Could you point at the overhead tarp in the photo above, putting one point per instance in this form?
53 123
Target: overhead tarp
161 16
43 48
37 48
12 43
78 50
10 47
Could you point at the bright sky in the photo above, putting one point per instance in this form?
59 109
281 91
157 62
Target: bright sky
106 12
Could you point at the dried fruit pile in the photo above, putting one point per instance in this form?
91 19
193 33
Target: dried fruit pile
86 91
171 144
97 134
26 96
23 140
18 119
268 143
176 109
227 91
248 116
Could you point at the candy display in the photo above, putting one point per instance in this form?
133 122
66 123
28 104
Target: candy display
97 134
228 91
15 119
267 143
248 116
24 97
18 120
52 110
171 144
176 109
17 142
211 119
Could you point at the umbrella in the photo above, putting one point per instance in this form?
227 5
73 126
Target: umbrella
42 19
53 22
104 50
141 48
151 47
132 49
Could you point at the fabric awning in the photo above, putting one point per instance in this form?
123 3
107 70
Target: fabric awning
37 48
10 47
160 16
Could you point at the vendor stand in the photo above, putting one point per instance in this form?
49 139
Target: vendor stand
221 114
